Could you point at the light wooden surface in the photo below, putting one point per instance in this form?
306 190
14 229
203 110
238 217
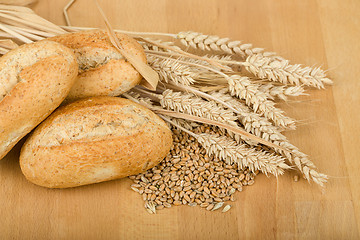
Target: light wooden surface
325 32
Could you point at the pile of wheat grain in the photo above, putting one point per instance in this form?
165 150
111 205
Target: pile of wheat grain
188 176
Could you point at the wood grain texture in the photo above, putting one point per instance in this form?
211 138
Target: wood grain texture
311 32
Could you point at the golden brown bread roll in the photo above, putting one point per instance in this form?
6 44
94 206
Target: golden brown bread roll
94 140
34 79
103 71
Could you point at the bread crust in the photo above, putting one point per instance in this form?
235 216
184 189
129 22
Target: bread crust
34 79
94 140
103 71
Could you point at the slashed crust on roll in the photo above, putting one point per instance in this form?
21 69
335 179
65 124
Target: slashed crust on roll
103 71
94 140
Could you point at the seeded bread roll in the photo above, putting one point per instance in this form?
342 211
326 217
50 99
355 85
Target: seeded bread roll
34 79
94 140
103 71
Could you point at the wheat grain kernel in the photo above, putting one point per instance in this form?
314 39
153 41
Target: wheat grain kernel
217 206
166 178
186 197
172 193
209 200
198 201
204 204
210 207
162 187
177 197
152 197
159 207
187 183
167 205
153 188
144 179
135 189
226 208
227 198
156 177
206 190
206 195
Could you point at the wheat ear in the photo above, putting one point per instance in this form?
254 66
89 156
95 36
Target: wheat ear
252 122
215 43
231 152
231 127
280 70
190 104
262 64
281 92
260 127
171 70
242 88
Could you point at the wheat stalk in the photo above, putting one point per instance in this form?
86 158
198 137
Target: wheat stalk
66 8
151 76
154 48
7 45
184 53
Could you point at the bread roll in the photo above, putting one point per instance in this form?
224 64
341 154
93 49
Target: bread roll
34 79
103 71
94 140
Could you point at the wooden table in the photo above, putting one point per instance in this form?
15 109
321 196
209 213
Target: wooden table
313 32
